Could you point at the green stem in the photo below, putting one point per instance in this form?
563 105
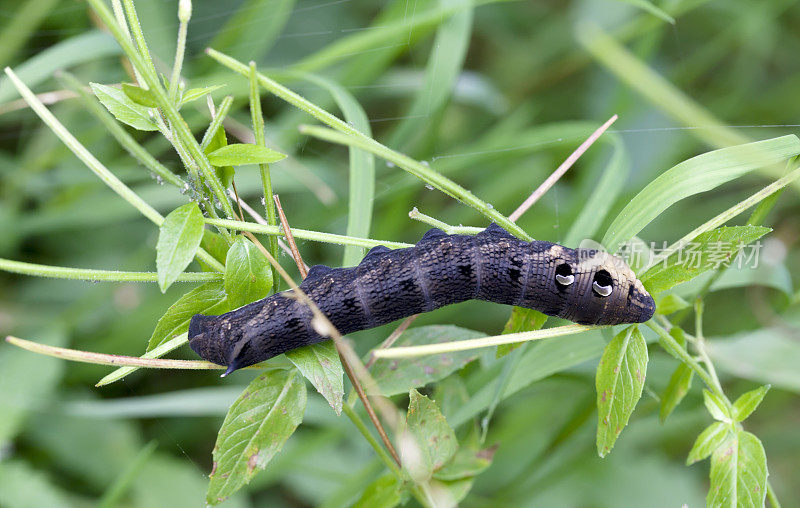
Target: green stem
216 122
306 234
95 165
257 120
63 272
700 345
184 14
114 360
672 347
772 496
349 135
447 228
156 352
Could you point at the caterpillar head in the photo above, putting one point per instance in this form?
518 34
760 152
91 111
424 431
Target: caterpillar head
600 289
213 338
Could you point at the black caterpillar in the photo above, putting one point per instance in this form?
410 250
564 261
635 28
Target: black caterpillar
584 286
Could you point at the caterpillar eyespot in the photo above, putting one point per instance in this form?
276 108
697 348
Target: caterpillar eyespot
581 285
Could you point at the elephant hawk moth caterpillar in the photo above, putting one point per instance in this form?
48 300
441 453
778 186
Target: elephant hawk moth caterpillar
582 285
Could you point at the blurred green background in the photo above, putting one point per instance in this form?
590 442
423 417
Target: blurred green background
496 103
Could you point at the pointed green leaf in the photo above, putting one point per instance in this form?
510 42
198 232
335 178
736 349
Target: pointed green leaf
738 473
619 381
708 251
139 95
385 492
748 402
521 320
239 154
248 276
123 108
257 425
670 303
678 386
216 245
709 440
698 174
433 442
206 299
193 94
398 376
646 5
178 239
716 406
320 364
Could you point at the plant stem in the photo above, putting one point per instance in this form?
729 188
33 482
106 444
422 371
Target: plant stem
184 14
700 345
63 272
257 120
672 347
464 345
447 228
216 122
156 352
362 428
306 234
115 360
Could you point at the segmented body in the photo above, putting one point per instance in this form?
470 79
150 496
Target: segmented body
439 270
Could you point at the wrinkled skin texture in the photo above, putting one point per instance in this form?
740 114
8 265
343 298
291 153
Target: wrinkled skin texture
439 270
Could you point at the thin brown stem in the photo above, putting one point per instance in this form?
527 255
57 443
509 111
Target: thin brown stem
287 231
238 201
559 172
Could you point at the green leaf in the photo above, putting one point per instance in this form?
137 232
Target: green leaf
521 320
123 108
216 245
385 492
738 473
207 299
676 390
178 239
257 425
432 441
748 402
620 379
466 463
698 174
716 406
193 94
670 303
239 154
709 440
709 250
248 276
398 376
320 364
139 95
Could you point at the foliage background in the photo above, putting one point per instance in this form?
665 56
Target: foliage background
525 68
